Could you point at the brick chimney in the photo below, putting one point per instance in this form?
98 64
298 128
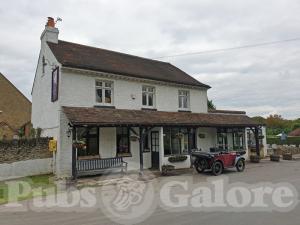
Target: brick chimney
50 34
50 22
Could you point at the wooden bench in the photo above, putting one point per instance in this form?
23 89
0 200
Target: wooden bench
97 166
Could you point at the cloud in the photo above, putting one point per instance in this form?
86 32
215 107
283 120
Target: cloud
260 80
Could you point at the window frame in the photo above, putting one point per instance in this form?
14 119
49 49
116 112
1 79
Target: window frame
88 135
181 101
172 131
147 92
103 88
128 154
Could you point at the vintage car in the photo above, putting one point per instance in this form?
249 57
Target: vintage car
218 161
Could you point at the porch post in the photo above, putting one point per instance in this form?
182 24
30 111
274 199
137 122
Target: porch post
256 141
189 140
74 155
141 150
190 145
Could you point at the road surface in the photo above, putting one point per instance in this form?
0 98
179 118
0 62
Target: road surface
285 171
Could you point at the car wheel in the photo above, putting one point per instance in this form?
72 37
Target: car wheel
217 168
240 165
201 165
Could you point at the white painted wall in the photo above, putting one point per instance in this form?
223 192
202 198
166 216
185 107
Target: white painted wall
79 90
44 112
107 149
25 168
210 139
178 165
63 156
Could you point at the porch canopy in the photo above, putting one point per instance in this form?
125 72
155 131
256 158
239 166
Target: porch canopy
108 117
147 119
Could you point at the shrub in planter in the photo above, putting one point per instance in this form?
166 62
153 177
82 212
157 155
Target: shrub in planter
166 169
275 158
287 156
254 158
177 158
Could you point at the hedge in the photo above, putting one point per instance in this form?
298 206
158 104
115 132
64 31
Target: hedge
289 141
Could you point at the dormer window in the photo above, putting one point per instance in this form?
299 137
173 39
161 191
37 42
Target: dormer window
104 92
184 99
148 96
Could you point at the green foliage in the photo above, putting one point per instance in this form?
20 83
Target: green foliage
289 141
40 183
177 158
276 124
296 126
38 132
210 104
32 132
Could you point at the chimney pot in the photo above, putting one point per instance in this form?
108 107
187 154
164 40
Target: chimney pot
50 22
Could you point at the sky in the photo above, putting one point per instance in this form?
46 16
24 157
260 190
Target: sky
262 81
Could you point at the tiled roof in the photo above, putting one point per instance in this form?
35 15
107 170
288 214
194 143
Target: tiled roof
112 117
295 133
226 111
97 59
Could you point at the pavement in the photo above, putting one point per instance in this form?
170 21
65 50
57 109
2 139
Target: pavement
265 171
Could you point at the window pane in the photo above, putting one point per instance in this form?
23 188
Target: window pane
99 95
93 130
144 99
180 101
107 84
99 83
175 141
144 88
185 102
93 148
122 141
167 141
150 100
107 96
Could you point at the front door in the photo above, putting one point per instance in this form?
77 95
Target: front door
155 149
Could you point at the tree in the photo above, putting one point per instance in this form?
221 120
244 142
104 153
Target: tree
210 104
296 126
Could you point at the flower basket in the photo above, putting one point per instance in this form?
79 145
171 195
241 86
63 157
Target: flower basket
177 158
179 135
166 169
80 145
287 156
275 158
254 158
134 138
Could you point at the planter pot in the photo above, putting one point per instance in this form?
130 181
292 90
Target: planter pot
177 158
167 169
275 158
287 156
254 159
134 138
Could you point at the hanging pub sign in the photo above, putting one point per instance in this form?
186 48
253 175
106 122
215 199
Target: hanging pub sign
55 81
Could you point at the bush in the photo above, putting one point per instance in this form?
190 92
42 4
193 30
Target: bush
289 141
166 169
275 158
177 158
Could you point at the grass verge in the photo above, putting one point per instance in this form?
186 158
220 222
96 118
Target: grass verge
39 186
